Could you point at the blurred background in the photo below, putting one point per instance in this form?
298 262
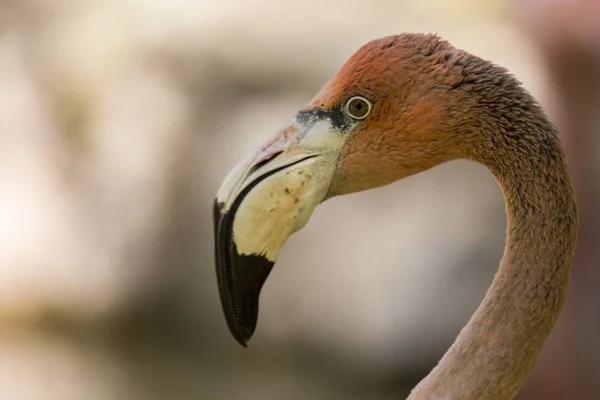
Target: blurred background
118 122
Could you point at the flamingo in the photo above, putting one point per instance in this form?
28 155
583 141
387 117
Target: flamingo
400 105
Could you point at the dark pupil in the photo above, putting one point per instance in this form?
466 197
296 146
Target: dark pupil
358 108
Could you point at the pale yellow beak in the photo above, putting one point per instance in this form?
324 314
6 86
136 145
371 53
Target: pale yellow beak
263 200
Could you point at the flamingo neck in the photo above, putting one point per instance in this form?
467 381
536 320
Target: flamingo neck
496 350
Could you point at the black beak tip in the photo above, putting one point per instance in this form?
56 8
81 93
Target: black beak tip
240 292
242 336
241 331
240 278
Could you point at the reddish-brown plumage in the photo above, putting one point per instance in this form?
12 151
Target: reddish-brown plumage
433 103
410 79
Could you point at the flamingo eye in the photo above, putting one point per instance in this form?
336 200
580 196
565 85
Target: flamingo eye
358 107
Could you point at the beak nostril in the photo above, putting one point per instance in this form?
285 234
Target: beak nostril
264 162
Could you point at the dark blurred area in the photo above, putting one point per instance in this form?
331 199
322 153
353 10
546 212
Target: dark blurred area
118 122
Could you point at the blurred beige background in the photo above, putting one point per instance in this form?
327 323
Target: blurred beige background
118 121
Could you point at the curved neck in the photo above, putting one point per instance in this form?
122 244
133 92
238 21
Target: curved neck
496 350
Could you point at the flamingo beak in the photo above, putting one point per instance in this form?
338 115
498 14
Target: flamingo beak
263 200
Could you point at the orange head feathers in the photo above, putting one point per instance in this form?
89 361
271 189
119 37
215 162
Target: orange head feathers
412 81
398 106
431 103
